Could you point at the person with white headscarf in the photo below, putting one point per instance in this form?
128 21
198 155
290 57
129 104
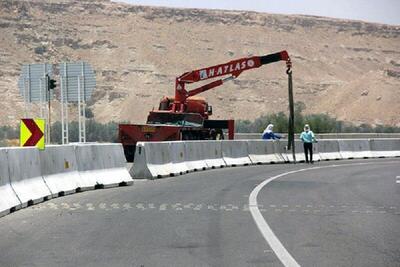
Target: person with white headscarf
269 134
308 139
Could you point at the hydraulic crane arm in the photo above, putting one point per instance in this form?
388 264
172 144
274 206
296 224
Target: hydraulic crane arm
233 68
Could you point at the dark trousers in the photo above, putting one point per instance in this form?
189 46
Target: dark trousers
308 149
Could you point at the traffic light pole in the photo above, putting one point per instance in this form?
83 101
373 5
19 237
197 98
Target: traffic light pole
49 120
50 84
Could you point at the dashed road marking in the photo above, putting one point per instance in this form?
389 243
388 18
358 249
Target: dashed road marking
198 207
140 206
103 206
177 206
231 207
76 205
211 207
126 206
115 206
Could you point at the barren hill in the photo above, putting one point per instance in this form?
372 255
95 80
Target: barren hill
348 69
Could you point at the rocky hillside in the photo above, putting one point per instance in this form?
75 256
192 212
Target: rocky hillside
348 69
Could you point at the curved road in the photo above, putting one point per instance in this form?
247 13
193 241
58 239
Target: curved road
341 213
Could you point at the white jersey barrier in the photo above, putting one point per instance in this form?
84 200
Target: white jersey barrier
178 155
212 152
329 149
235 153
261 152
354 149
381 148
195 156
29 176
163 159
59 169
112 170
153 160
101 166
8 199
160 159
25 175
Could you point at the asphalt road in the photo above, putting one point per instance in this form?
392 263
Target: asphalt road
344 215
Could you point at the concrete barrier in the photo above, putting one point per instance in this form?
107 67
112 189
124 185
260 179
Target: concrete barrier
165 159
329 149
280 150
355 148
59 169
299 151
86 161
152 160
253 136
281 147
29 176
178 155
381 148
212 151
234 152
25 175
8 199
195 155
262 151
113 165
102 165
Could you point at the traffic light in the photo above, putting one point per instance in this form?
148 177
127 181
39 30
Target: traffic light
52 84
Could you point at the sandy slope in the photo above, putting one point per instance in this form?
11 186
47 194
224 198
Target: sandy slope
348 69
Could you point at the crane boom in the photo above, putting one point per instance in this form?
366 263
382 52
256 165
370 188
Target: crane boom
233 68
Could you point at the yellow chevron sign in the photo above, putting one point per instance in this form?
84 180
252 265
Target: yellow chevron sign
32 133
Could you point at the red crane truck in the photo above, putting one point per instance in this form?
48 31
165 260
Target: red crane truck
186 116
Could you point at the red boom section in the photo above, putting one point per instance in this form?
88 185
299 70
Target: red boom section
233 68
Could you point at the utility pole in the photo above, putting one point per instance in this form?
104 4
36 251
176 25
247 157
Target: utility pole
291 144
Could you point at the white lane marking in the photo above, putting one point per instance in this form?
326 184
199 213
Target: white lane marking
177 206
211 207
198 207
140 206
280 251
269 236
126 206
115 206
398 179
